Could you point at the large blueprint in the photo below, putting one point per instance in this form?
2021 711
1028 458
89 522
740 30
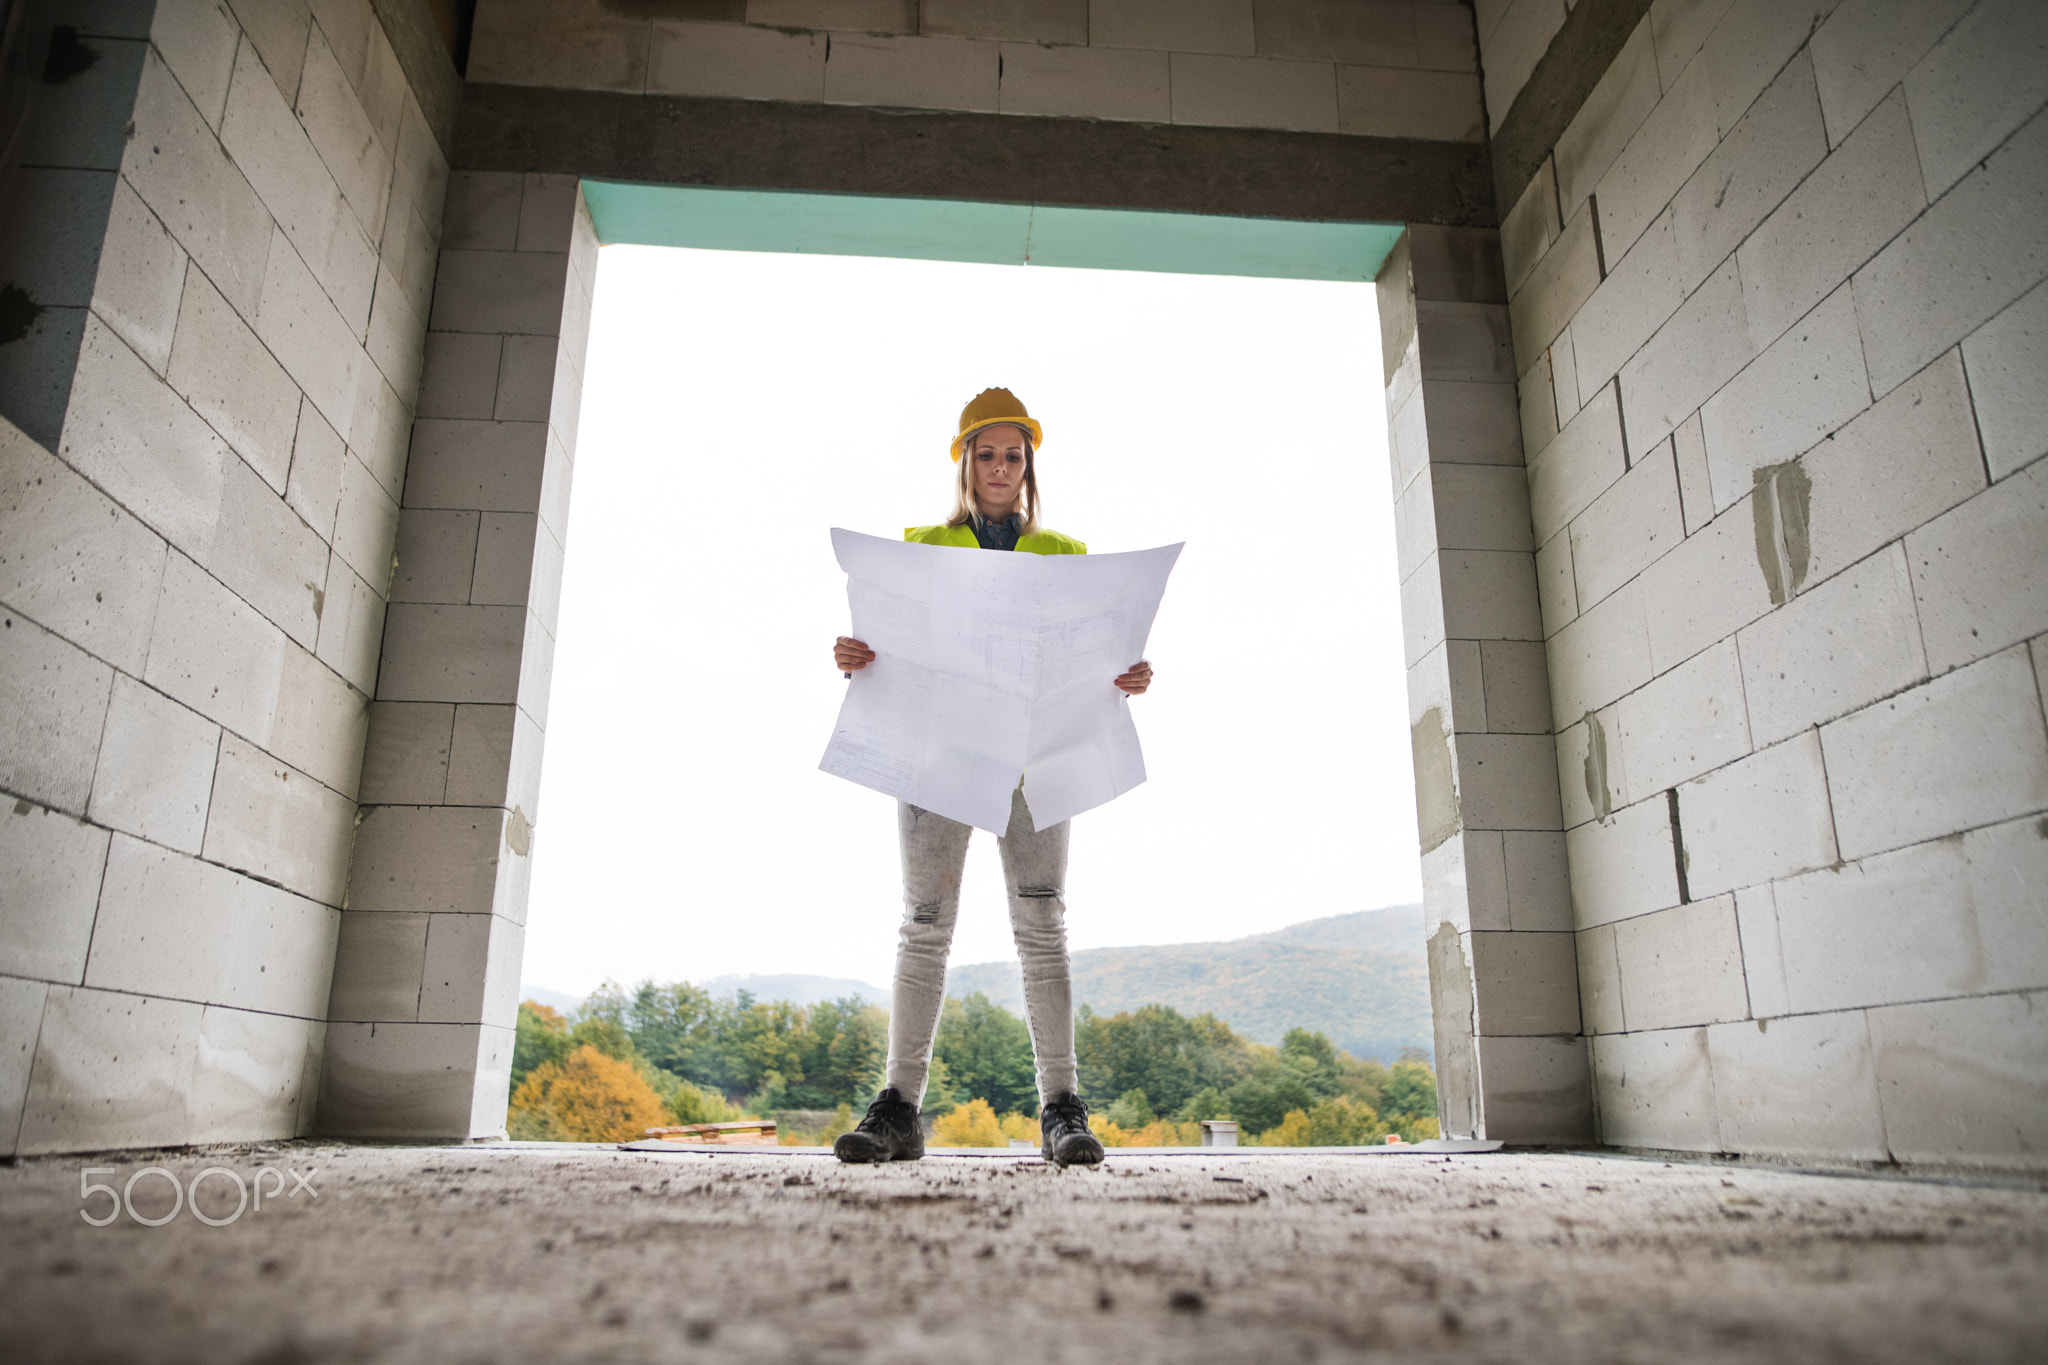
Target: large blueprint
988 666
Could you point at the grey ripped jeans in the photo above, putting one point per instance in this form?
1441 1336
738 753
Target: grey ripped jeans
1035 873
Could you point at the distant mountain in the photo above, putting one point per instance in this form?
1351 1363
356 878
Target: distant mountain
796 988
554 1000
1361 978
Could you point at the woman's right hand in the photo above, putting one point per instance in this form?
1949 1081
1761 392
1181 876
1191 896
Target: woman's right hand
851 655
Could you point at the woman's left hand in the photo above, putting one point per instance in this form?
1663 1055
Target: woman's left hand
1137 680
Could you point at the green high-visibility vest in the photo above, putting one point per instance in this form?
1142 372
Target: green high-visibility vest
1032 542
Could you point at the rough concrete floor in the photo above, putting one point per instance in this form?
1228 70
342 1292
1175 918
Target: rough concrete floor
482 1254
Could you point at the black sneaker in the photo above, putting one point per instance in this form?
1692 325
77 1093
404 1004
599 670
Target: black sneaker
889 1132
1063 1122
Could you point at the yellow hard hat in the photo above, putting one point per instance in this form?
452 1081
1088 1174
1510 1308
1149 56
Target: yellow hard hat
994 407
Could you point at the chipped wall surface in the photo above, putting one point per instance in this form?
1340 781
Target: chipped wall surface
1778 286
195 552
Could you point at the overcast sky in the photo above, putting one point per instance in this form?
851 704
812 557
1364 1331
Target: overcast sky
739 405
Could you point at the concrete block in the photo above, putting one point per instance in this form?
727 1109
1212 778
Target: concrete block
1084 82
406 760
911 72
500 291
1960 264
362 52
1839 217
1656 1091
1763 956
230 379
419 181
21 1018
267 142
1695 481
196 39
1708 587
1760 818
1508 781
459 376
1681 28
396 337
345 136
1866 47
1023 21
380 431
255 1075
1254 92
1511 50
1751 45
1627 528
1531 225
1583 462
573 46
111 1071
1601 655
1599 980
1964 750
52 866
447 653
1517 683
267 556
318 348
482 212
1539 884
1894 927
1525 984
522 781
1563 361
313 488
1489 595
73 560
141 278
1464 341
351 627
857 16
1383 101
1759 162
425 859
480 763
1536 1090
399 1080
273 821
1683 723
2007 863
1613 111
526 379
1462 882
1556 592
1682 967
536 669
1369 34
1833 649
279 32
1590 767
1407 438
1986 77
547 205
1218 26
1555 288
320 723
735 61
378 966
1641 292
1470 424
214 653
155 773
2006 358
1961 1081
544 587
556 475
488 466
1978 572
457 962
1799 1086
1444 39
1623 866
367 527
47 247
175 926
1702 347
1904 462
174 164
1810 382
133 437
504 559
1672 141
76 121
53 704
436 556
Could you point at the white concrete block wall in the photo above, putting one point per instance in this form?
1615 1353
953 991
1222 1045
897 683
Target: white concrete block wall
193 585
1397 68
427 971
1787 491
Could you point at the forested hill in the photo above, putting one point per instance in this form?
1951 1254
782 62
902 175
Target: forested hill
1360 978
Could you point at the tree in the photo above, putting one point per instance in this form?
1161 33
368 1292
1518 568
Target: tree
587 1096
542 1035
973 1124
987 1052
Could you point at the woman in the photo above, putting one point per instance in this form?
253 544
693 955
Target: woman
995 508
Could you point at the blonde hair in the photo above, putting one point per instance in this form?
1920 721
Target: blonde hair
966 511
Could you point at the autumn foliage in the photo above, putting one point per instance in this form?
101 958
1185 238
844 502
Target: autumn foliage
586 1097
